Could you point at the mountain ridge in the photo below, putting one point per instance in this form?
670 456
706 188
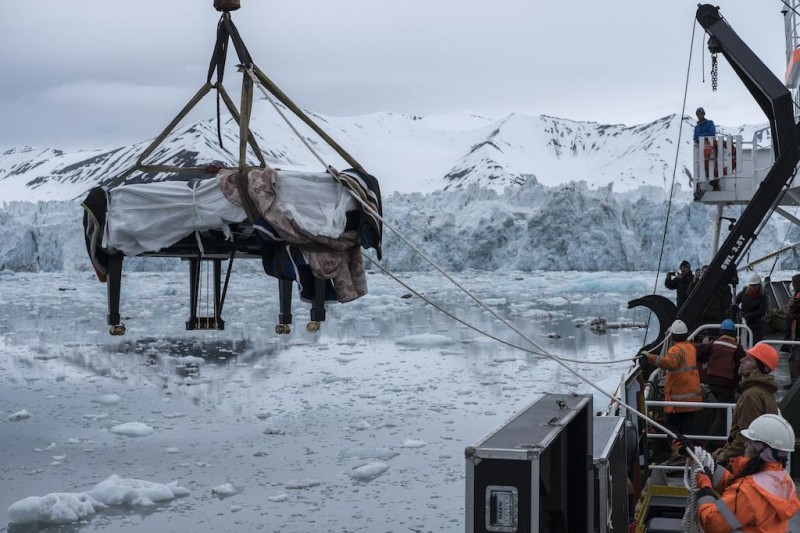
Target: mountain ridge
407 153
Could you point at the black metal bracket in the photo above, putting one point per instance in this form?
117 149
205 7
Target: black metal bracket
213 321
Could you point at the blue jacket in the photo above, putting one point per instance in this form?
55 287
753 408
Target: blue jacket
704 129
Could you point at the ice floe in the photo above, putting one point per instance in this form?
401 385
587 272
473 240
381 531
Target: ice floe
115 491
132 429
368 471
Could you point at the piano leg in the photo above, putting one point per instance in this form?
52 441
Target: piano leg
114 284
194 282
285 297
317 306
218 322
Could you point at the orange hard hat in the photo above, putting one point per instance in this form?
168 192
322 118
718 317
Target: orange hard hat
766 354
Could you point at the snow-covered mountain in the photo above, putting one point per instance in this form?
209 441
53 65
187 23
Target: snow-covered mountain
407 154
518 193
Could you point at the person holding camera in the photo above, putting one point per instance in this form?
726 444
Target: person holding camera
753 303
680 282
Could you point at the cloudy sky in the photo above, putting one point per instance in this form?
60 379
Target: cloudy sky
102 73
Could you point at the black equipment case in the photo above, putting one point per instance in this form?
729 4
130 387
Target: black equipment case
535 474
611 474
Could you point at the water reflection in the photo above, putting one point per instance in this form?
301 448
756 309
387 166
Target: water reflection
265 412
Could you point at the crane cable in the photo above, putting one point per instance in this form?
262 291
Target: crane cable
556 359
674 172
633 411
397 232
475 328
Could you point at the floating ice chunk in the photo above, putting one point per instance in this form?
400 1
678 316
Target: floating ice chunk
384 454
424 339
369 471
226 489
413 443
334 379
300 484
282 497
127 491
173 449
190 360
539 314
108 399
556 301
55 508
132 429
362 425
272 431
19 415
62 507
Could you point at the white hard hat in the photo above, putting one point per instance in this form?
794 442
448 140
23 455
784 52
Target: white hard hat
773 431
755 279
678 328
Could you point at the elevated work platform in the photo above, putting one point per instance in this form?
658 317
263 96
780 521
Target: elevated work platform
727 169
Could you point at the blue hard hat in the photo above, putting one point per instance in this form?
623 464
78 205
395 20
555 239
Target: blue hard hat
727 325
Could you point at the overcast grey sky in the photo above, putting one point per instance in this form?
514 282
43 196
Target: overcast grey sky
102 73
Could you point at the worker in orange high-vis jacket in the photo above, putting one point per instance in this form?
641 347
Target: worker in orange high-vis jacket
758 495
682 382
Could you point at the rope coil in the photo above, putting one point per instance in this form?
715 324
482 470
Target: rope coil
690 523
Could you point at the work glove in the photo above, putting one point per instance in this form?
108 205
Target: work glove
642 359
682 445
704 485
703 480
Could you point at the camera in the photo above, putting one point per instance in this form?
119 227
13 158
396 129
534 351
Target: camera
672 273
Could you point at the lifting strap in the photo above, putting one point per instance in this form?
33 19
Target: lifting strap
227 31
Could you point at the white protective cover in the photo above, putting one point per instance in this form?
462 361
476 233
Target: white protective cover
150 216
315 201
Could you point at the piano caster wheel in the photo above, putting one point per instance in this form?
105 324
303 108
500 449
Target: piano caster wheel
116 330
312 327
283 328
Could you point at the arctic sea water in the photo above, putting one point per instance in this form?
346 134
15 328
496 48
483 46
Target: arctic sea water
360 427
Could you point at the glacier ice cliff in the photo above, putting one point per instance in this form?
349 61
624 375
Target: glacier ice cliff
529 227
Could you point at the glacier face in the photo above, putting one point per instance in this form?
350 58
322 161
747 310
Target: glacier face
570 227
530 227
520 192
